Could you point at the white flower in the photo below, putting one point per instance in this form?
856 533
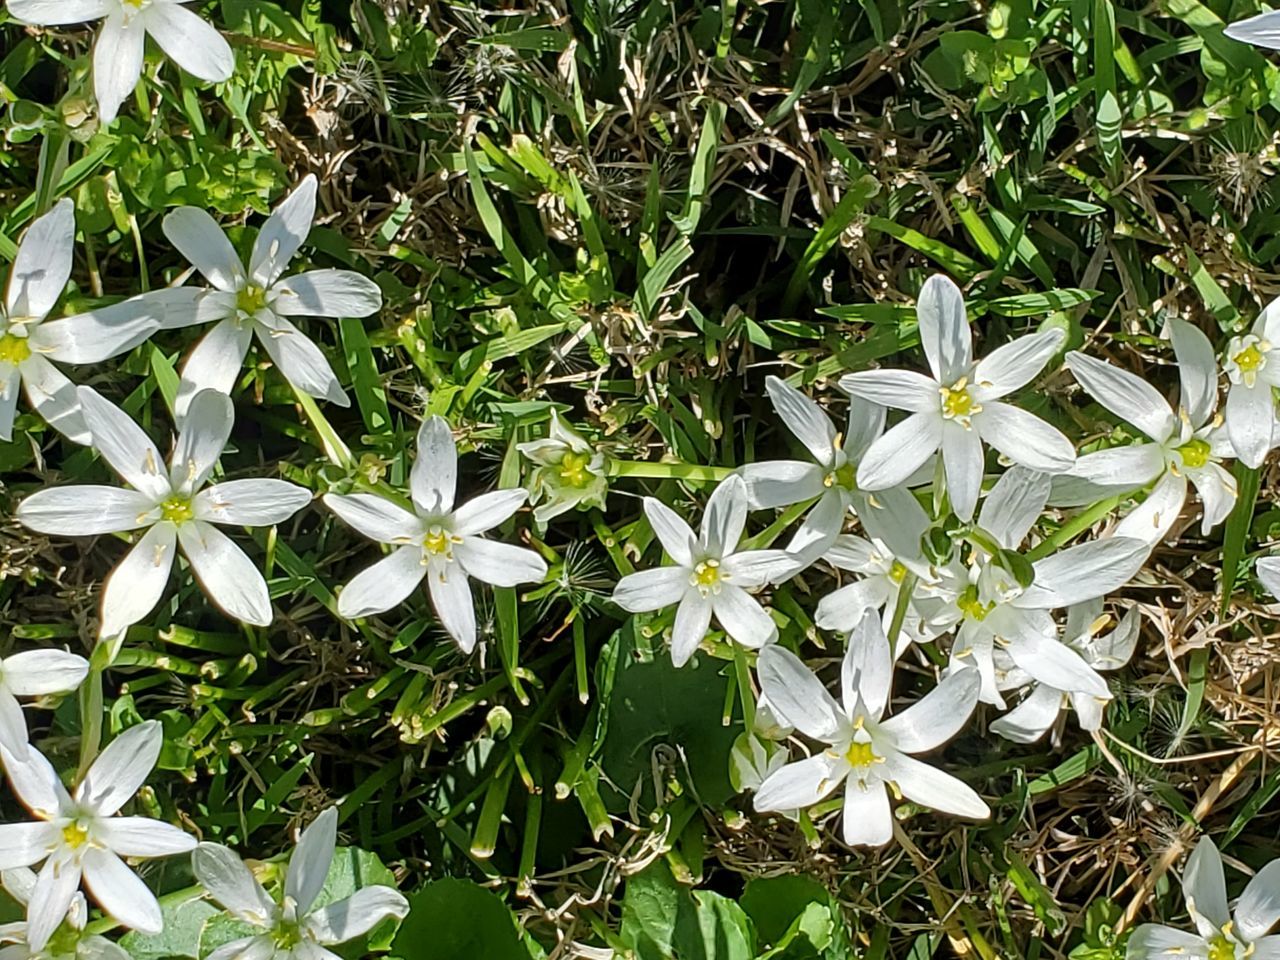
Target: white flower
568 471
69 942
993 608
435 541
1268 569
1039 710
1263 30
959 407
117 56
33 673
174 507
294 929
29 341
1188 445
868 754
79 835
1218 935
752 761
1253 366
259 301
708 576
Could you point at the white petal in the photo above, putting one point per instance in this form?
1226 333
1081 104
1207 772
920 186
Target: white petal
1153 941
53 13
1120 467
197 236
755 568
1125 395
85 510
253 502
22 844
13 724
143 837
228 577
487 511
868 818
36 784
944 329
232 884
1031 719
724 518
1197 370
434 478
932 788
500 564
797 696
863 427
55 398
900 452
1268 570
190 42
866 673
1014 505
246 948
180 307
1258 909
356 915
309 865
454 605
1084 572
1024 438
780 483
327 293
42 267
283 233
1204 886
693 620
1156 515
801 784
819 531
937 716
376 517
56 887
123 444
964 461
742 617
215 362
677 538
38 673
1217 489
843 609
1012 366
98 334
804 418
135 586
650 590
206 428
301 362
896 519
855 554
121 769
1263 29
1250 417
384 585
1048 660
900 389
120 892
117 62
10 387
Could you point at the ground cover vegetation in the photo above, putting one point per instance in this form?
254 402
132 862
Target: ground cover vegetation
630 479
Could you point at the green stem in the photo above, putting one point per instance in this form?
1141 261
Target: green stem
745 693
905 590
1074 527
650 470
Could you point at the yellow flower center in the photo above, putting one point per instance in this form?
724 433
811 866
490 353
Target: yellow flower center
14 349
75 836
1195 453
177 510
958 402
1249 360
861 754
573 469
973 608
706 577
286 936
251 299
1221 948
897 572
845 477
436 542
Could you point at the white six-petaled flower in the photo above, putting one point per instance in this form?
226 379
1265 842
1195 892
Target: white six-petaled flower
435 541
1188 445
174 507
870 755
117 55
29 342
959 406
294 929
69 941
709 574
1219 935
1252 364
78 835
260 300
568 472
33 673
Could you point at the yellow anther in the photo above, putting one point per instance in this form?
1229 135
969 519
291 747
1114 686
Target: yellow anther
251 299
573 469
177 510
14 349
75 836
897 572
957 401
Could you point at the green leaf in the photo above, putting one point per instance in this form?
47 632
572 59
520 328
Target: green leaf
458 920
661 920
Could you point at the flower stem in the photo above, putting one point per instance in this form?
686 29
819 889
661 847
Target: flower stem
745 692
650 470
1073 527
